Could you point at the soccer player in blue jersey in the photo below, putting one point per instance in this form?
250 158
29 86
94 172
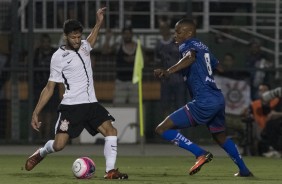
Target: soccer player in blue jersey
207 106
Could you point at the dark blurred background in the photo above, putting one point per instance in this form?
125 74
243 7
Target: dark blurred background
243 34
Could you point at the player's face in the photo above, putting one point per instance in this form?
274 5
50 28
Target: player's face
181 33
164 30
73 40
45 43
262 89
255 48
127 36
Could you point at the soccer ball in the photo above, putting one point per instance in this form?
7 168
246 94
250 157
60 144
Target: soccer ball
83 168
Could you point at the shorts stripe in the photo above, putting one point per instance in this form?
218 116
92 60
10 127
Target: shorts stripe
191 120
216 129
57 123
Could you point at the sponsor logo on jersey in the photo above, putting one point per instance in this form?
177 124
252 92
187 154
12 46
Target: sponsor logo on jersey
210 79
69 61
65 54
200 45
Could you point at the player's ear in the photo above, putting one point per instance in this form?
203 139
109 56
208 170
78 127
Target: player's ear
65 37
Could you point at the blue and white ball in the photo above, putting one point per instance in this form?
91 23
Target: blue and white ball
83 168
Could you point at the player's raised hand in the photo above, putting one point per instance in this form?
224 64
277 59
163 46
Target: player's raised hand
100 14
161 73
34 122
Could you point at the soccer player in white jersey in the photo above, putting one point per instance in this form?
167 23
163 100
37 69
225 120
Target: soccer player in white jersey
79 108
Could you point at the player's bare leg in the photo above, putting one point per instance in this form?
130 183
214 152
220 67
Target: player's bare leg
51 146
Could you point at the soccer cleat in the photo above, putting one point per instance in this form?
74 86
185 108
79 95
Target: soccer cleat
238 174
115 174
201 160
33 160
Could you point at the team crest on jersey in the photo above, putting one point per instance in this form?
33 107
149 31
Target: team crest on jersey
64 125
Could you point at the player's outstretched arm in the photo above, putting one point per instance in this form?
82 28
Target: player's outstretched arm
94 32
182 63
271 94
161 73
45 95
186 61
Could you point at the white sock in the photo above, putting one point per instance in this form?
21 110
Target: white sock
47 149
110 152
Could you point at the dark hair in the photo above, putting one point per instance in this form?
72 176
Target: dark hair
189 21
265 84
127 28
45 36
254 41
71 25
229 54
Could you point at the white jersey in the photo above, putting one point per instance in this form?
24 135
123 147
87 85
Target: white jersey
74 70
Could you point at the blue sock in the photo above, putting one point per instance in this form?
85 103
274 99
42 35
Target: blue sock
230 147
181 141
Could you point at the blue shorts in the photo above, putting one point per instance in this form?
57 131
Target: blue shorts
191 115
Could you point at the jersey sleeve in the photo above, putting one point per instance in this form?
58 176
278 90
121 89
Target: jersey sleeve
56 70
185 50
87 45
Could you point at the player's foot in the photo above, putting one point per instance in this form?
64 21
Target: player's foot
115 174
238 174
201 160
33 160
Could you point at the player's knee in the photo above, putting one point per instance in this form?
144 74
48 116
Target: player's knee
164 126
219 138
111 131
159 130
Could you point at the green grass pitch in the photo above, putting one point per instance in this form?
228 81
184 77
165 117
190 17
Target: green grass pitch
56 169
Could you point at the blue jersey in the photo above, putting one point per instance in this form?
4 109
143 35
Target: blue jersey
207 105
199 75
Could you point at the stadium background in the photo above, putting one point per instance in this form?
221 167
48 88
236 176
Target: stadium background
22 22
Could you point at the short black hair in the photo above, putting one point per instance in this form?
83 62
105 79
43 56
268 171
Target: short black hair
189 21
127 28
45 36
265 84
71 25
229 54
254 41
